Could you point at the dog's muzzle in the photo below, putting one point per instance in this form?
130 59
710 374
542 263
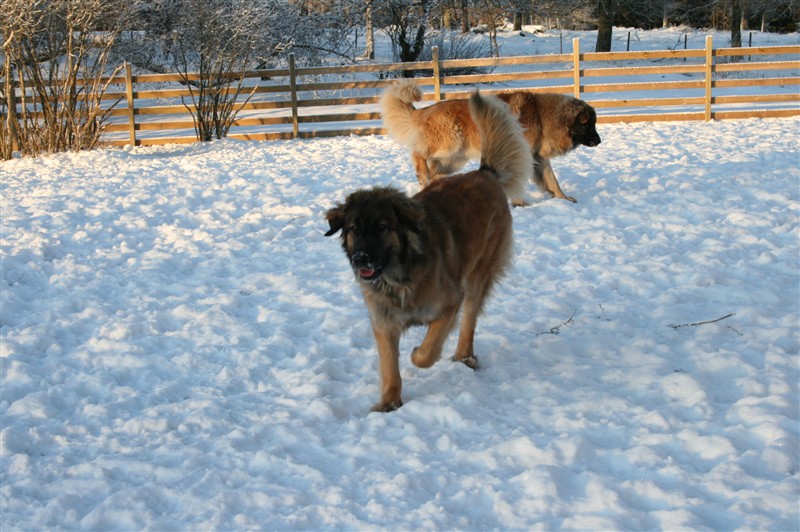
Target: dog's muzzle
593 141
364 268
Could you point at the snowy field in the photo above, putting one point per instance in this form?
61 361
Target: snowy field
183 349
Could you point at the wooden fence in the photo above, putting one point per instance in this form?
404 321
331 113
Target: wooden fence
305 102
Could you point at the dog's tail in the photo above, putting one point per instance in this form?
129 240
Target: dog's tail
397 112
504 149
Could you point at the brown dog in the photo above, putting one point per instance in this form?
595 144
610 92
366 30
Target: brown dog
419 260
442 138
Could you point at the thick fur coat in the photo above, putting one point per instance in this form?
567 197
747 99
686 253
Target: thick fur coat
421 260
442 137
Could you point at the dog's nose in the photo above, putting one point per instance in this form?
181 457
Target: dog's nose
360 259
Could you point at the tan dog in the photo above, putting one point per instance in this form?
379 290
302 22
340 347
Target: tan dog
442 137
419 260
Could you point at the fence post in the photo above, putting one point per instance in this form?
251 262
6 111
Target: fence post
293 88
437 84
12 121
709 74
131 109
576 67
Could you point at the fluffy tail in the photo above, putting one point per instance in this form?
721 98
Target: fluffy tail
504 149
397 112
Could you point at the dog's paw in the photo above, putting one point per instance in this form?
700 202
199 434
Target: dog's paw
562 196
470 361
387 406
422 358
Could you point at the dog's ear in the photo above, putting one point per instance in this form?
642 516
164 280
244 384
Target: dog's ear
411 216
576 110
584 113
335 218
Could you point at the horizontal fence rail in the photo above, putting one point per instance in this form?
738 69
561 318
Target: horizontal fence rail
308 102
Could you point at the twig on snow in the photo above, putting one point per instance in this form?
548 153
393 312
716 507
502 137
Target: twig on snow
702 322
734 330
557 329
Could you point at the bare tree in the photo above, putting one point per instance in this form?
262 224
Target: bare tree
406 23
369 30
55 71
637 13
606 13
492 13
521 13
212 44
464 15
215 46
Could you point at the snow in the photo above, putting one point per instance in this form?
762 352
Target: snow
182 348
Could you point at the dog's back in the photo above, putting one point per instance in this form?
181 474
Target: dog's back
473 210
475 204
554 123
442 137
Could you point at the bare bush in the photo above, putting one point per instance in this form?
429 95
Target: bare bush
457 45
55 71
212 44
215 45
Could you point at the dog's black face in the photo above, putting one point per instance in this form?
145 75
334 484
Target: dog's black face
583 131
378 232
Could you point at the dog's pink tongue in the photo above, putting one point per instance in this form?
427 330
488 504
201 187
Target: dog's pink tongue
366 273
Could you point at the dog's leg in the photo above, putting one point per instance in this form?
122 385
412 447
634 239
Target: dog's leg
388 343
465 350
473 304
439 168
545 178
436 169
426 354
421 168
492 263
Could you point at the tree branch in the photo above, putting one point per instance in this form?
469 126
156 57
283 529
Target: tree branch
702 322
557 329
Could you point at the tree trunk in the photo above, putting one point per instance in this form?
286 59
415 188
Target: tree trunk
369 53
736 23
410 50
745 8
605 25
464 16
12 143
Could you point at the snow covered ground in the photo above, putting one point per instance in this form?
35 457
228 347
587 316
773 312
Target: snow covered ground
183 349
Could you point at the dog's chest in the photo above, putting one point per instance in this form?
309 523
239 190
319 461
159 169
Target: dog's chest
401 309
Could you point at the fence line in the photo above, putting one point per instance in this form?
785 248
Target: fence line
307 102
